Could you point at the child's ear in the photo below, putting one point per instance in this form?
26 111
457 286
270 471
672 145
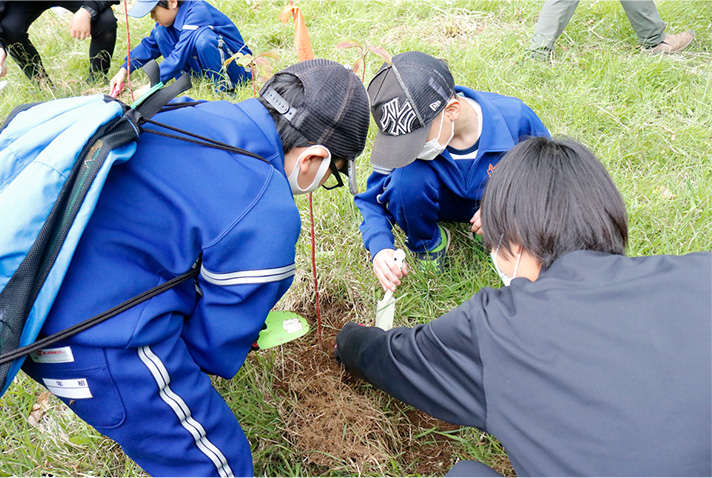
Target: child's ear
452 110
173 4
316 154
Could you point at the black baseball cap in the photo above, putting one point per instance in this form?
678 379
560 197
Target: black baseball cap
334 112
406 96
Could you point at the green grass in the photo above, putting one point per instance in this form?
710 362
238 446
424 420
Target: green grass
648 118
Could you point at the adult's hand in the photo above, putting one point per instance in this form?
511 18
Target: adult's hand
80 25
3 68
387 270
476 222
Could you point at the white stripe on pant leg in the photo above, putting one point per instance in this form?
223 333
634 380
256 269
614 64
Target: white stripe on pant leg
178 405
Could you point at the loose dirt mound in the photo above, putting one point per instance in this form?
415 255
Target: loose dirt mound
339 422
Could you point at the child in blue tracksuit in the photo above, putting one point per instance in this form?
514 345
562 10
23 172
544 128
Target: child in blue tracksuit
192 37
458 136
142 378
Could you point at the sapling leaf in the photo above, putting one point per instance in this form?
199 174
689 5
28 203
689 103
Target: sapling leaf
241 59
348 44
269 54
380 51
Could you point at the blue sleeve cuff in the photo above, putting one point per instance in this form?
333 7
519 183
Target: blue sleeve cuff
379 242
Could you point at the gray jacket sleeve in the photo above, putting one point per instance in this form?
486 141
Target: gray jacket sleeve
434 367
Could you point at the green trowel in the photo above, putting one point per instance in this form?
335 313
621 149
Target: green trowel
281 327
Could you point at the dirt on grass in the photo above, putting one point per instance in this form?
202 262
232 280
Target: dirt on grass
339 423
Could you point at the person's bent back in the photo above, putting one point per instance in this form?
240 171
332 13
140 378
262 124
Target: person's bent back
589 363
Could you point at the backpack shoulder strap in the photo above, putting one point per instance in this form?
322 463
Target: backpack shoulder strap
156 98
153 72
97 319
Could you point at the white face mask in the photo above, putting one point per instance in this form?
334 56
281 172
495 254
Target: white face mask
320 174
505 278
432 149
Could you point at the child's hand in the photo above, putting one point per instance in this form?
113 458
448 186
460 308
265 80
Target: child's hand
476 222
80 25
386 269
137 93
116 84
3 68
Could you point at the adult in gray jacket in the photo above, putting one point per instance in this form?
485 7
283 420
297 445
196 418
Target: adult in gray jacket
589 363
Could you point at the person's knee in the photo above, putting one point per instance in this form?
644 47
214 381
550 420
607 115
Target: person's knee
104 26
205 39
471 468
12 35
418 185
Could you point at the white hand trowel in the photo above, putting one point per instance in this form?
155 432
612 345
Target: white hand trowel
386 307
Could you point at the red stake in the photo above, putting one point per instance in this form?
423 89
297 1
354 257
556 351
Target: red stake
316 284
313 238
128 47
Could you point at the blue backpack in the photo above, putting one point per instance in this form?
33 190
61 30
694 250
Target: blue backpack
54 159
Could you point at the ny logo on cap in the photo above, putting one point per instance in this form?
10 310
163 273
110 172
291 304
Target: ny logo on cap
396 119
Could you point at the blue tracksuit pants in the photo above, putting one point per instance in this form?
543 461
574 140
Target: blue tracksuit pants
418 199
207 53
154 401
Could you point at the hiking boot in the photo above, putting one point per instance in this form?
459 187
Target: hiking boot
674 43
435 259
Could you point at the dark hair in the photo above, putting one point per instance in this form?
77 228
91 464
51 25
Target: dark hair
292 90
553 197
164 3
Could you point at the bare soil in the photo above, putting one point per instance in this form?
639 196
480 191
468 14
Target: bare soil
338 422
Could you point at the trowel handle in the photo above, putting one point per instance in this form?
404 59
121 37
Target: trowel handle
399 257
117 89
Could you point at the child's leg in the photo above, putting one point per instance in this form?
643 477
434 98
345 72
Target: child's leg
155 402
418 200
103 38
17 18
103 41
212 52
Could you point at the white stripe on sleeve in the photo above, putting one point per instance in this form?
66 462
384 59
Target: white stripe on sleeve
259 276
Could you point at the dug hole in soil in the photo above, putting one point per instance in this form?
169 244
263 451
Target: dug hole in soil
337 422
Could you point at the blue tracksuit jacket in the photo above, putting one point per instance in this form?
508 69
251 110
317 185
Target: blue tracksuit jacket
171 203
179 44
422 193
141 377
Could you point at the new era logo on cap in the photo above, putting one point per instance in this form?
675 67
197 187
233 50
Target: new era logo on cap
435 105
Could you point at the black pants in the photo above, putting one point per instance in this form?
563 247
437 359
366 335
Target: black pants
19 16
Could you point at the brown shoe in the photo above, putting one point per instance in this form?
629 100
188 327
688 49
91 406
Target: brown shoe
674 43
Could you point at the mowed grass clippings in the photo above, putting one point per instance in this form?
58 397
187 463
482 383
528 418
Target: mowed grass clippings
646 117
